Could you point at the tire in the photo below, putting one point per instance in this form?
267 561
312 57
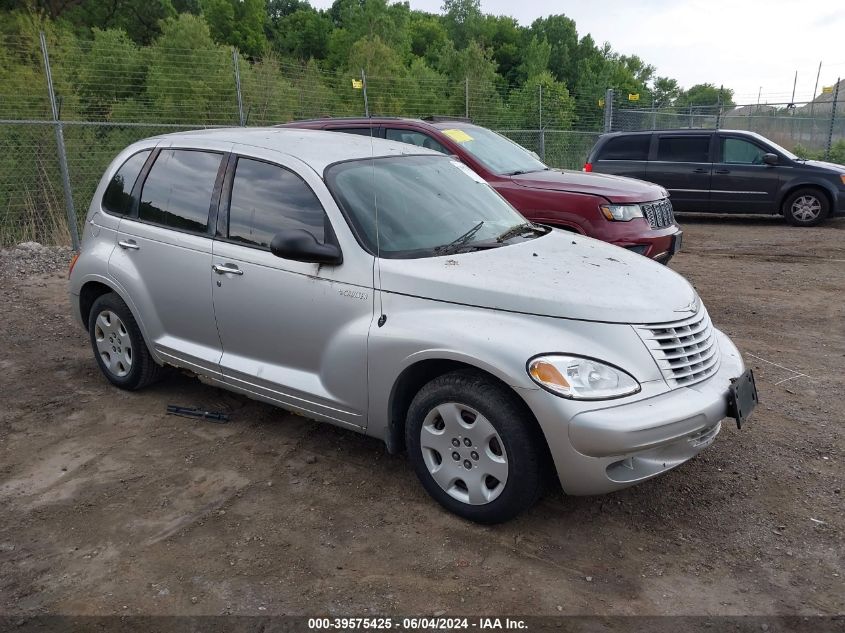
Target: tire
119 346
807 206
495 436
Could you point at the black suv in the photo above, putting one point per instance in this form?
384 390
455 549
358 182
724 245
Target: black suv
725 171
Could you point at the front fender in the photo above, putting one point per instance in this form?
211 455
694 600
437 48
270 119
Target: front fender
494 341
797 182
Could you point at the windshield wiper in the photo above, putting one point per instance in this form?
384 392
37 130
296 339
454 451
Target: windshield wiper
520 229
459 241
519 172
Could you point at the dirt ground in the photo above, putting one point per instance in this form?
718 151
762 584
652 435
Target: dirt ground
109 506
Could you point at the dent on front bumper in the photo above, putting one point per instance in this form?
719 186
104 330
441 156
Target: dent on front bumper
604 449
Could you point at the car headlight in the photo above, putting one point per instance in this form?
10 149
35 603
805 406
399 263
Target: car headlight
581 378
621 212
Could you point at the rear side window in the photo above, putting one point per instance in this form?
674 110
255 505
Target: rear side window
415 138
267 199
684 149
178 189
118 196
633 147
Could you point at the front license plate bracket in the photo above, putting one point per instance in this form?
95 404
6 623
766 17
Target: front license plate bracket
742 397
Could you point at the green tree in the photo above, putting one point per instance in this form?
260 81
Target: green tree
428 36
560 32
302 34
239 23
535 60
705 95
665 91
141 19
463 20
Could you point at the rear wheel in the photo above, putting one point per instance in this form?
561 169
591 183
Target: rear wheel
806 207
118 344
474 448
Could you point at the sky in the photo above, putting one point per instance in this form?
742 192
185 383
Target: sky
745 45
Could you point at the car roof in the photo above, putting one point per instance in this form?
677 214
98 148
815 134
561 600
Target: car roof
317 148
437 122
685 130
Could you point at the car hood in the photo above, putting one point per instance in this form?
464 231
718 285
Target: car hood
557 275
840 169
614 188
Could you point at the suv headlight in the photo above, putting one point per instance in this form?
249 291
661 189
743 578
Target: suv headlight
621 212
581 378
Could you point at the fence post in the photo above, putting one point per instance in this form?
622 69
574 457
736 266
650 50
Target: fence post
236 65
364 88
60 146
719 113
832 119
542 129
690 117
608 110
466 97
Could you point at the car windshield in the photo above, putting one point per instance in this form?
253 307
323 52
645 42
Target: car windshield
422 206
497 153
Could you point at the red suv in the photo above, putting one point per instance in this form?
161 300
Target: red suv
630 213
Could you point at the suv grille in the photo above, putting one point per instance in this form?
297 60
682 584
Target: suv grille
686 351
659 213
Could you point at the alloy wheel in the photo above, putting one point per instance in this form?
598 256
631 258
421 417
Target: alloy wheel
806 208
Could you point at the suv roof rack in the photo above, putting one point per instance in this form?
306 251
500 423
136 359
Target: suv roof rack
439 118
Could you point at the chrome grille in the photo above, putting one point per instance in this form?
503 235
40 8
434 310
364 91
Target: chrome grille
686 351
659 214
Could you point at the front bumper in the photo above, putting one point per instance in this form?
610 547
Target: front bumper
603 449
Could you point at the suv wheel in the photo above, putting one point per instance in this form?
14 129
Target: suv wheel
118 345
806 207
474 448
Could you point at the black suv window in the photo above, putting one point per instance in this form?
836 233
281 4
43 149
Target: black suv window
634 147
684 149
414 138
741 152
267 199
178 189
118 196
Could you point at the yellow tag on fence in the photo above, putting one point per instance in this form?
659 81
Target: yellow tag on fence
634 96
827 90
459 136
358 84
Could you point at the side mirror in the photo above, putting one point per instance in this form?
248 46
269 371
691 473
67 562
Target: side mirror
301 246
770 159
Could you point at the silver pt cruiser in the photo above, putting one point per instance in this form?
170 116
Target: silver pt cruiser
389 290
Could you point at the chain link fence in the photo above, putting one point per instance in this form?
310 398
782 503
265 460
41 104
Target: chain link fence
67 107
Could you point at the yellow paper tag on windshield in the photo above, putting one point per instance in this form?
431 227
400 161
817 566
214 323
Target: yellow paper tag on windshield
459 136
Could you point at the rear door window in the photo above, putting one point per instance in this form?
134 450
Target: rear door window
684 149
634 147
267 199
118 196
414 138
177 192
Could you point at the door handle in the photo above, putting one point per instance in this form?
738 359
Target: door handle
700 170
128 244
723 171
224 269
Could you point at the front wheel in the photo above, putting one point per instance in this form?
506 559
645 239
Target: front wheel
474 448
806 207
